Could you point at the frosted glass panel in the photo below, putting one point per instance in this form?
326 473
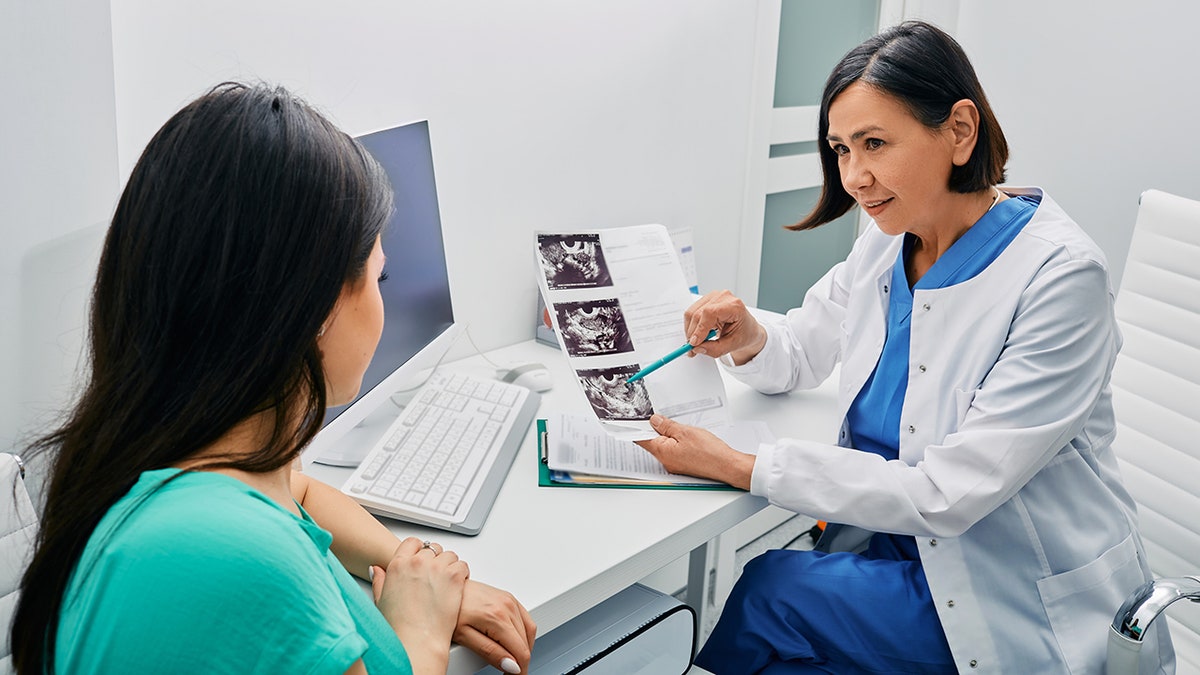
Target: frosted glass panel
788 149
794 261
813 36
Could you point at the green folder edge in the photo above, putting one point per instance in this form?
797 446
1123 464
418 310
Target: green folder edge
544 479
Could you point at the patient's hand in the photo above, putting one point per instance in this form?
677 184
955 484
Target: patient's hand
494 625
420 594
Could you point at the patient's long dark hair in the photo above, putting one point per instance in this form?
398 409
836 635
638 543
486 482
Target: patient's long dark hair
244 218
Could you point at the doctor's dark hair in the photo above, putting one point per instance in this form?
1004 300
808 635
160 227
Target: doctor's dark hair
243 220
928 72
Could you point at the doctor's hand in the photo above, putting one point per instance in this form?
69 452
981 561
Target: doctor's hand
494 625
697 452
420 593
739 333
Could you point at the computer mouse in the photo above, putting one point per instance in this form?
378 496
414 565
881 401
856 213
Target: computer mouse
532 376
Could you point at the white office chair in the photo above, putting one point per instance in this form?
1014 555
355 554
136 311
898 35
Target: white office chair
1156 394
18 529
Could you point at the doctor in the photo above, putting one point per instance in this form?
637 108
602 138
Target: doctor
982 523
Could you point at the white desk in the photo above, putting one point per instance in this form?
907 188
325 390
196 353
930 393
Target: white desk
561 551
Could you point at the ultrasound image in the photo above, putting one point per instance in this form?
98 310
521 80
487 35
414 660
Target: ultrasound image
573 261
612 397
593 328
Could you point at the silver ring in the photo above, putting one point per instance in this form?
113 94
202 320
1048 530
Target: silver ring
428 545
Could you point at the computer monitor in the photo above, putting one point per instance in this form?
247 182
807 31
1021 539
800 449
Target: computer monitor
419 318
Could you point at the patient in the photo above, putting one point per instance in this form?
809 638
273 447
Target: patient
237 296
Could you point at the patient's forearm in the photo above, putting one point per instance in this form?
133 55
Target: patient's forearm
359 540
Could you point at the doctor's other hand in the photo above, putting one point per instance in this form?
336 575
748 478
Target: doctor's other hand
494 625
420 593
697 452
739 333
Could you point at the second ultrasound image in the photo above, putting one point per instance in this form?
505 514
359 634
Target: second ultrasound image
593 328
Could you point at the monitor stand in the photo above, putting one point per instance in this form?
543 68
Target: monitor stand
351 448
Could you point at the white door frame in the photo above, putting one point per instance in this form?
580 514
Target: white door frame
774 126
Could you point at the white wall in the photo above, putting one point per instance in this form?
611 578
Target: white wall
1098 100
543 115
58 172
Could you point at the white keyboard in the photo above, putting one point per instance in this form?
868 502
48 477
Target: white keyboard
445 457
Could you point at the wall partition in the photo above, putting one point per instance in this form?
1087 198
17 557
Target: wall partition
805 38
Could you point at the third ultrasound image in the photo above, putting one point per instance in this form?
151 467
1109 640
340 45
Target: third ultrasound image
593 328
612 397
573 261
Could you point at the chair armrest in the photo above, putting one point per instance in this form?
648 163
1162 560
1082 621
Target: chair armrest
1149 600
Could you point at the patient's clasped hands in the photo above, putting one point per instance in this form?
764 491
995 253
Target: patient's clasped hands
484 619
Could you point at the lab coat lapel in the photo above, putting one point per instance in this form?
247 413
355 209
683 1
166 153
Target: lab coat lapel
867 323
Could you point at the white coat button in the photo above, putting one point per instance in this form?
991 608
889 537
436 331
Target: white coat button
974 663
933 542
921 367
925 307
885 288
950 603
911 429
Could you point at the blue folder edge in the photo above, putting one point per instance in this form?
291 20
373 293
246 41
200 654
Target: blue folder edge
549 478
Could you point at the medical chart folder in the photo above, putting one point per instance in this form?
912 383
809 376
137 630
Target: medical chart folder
547 477
638 631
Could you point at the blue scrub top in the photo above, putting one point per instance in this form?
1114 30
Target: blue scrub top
874 417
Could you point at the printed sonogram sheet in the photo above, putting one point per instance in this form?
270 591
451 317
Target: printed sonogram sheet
616 300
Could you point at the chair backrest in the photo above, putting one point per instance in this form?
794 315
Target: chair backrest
18 529
1156 395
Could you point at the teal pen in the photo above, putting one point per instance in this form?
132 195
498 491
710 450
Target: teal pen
667 359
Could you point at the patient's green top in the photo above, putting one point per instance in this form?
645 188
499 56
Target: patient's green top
204 574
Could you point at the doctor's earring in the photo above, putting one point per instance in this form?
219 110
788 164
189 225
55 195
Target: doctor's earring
321 332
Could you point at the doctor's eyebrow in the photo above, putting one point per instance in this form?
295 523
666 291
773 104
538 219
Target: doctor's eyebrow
856 135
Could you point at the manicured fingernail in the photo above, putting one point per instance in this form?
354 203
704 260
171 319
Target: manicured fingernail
656 419
371 572
510 666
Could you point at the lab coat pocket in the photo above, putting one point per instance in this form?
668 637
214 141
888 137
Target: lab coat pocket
1080 603
962 403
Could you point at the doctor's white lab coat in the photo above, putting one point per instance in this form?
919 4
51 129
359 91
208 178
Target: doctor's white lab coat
1006 476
